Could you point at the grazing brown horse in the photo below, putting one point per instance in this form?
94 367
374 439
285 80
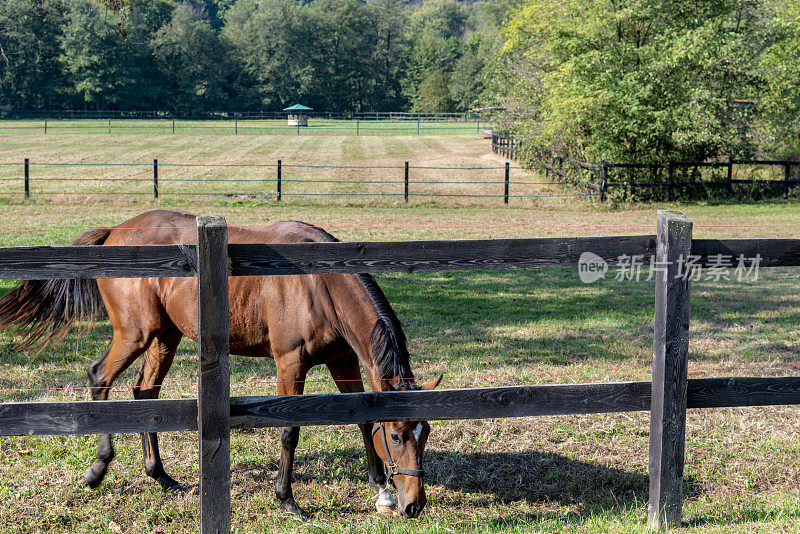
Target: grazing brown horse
299 320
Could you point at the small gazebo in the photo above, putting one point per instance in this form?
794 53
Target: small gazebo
297 115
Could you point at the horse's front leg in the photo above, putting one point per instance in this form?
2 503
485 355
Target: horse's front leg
384 502
102 373
291 381
347 375
156 364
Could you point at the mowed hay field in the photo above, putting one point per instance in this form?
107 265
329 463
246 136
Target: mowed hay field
568 474
337 168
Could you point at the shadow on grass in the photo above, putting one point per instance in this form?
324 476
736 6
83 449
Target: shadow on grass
489 478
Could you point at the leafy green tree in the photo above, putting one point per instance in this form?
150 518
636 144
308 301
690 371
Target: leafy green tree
780 105
435 33
467 79
341 53
106 56
196 67
272 40
635 80
30 32
434 95
384 72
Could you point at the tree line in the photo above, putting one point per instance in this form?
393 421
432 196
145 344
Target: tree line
332 55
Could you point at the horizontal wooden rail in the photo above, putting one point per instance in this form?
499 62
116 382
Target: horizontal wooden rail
96 261
168 415
39 263
410 256
34 263
446 404
728 392
772 252
97 417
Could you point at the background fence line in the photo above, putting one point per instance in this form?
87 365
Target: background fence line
57 114
275 178
242 127
595 177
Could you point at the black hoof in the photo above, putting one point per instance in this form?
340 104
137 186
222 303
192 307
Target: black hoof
295 510
95 474
169 485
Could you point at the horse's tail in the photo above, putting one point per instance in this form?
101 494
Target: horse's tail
42 311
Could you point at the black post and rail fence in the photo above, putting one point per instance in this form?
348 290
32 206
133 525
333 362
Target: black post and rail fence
595 177
214 412
168 179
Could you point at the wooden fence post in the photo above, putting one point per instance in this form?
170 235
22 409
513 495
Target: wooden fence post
279 182
213 401
406 182
155 178
45 126
603 180
109 126
730 177
505 194
236 126
670 355
669 182
787 174
27 178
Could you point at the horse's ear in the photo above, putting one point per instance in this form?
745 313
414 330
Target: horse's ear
432 384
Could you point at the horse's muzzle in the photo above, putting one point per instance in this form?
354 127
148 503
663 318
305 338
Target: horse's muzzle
411 510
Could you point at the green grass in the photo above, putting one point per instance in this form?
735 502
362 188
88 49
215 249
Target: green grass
565 474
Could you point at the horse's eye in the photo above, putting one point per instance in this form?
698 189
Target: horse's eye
396 438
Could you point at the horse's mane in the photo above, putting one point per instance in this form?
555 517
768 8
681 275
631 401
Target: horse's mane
387 340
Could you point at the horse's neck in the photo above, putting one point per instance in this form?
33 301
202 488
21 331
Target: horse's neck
357 316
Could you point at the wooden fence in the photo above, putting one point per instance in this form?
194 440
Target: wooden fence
506 146
567 170
214 412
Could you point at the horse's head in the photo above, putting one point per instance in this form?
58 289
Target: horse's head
401 445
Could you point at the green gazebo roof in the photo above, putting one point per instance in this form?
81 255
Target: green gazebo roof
298 107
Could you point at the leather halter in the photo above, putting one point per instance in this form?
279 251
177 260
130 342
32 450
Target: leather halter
392 467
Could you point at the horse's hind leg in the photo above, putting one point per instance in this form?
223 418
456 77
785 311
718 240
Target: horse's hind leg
102 373
347 375
291 381
157 361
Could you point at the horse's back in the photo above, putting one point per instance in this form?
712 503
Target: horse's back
293 307
169 227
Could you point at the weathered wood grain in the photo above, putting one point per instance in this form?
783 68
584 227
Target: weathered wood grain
670 358
214 376
742 391
446 404
93 261
410 256
133 416
772 252
97 417
38 263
